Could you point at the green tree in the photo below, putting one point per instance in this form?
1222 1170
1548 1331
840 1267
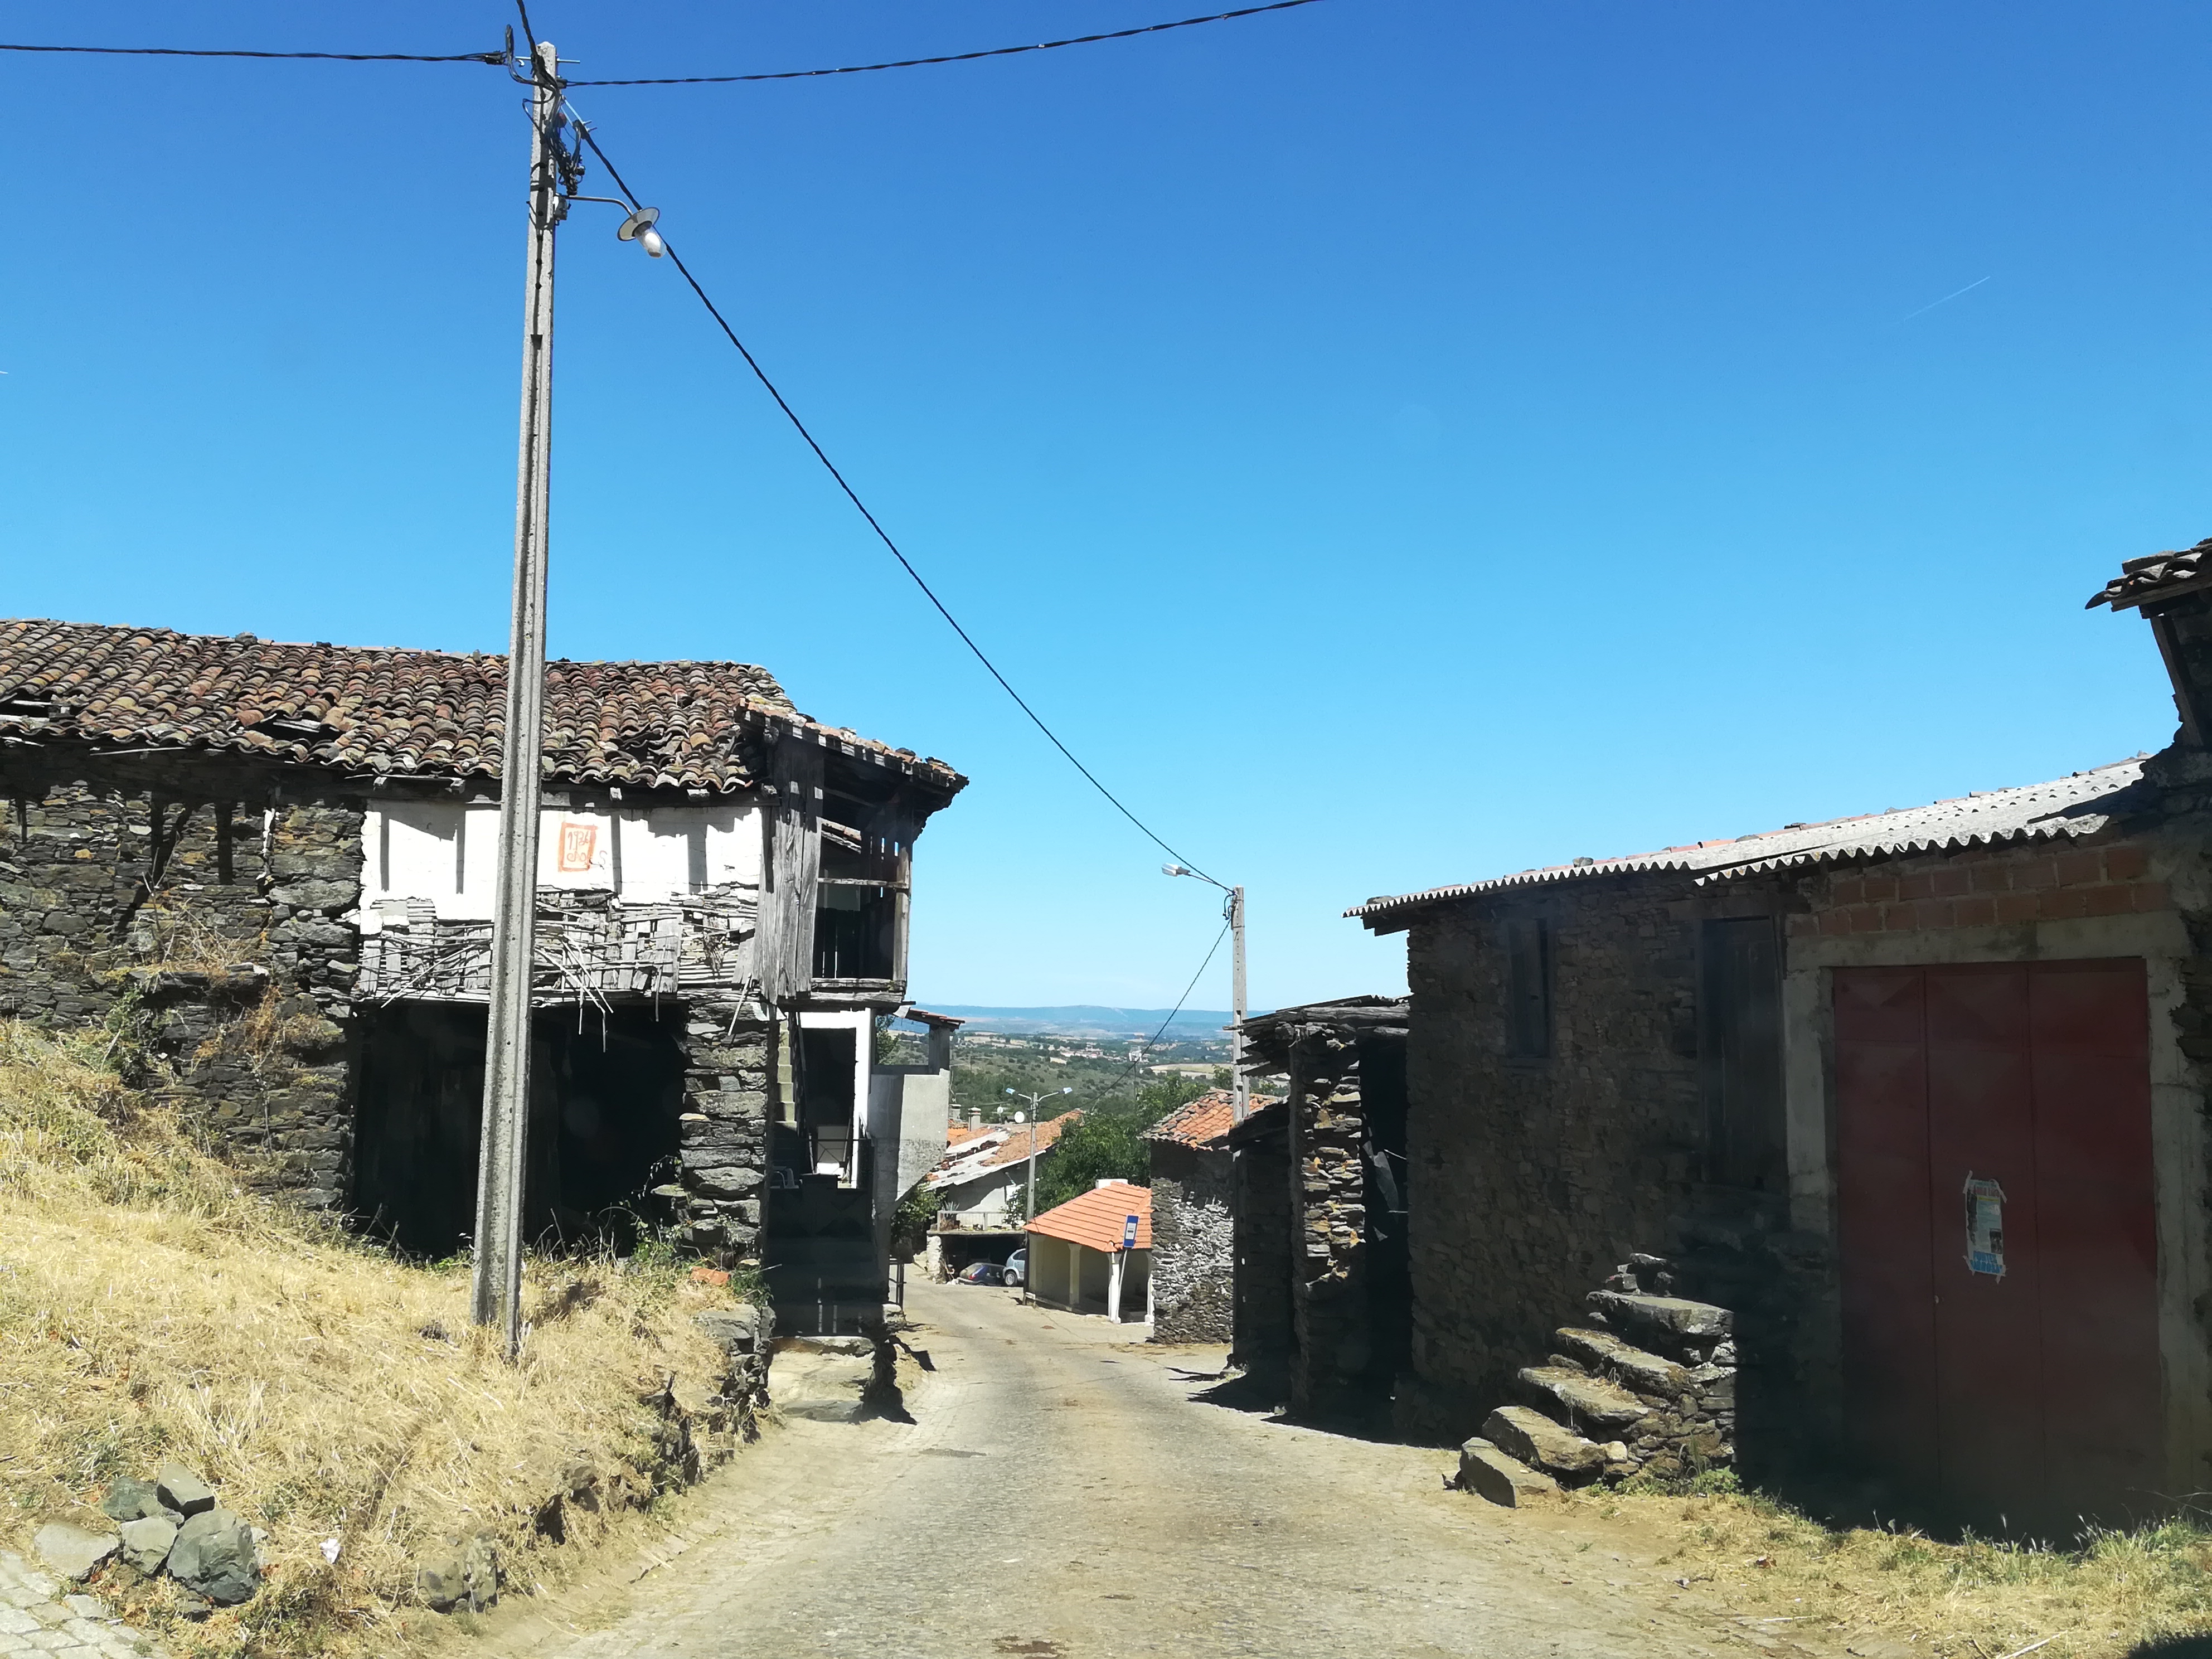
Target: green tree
1108 1143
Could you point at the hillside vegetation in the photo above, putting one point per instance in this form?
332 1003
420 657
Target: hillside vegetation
331 1393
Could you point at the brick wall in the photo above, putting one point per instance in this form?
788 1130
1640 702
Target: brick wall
1193 1248
1994 889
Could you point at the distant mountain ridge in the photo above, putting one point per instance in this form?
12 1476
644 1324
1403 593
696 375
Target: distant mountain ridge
1084 1020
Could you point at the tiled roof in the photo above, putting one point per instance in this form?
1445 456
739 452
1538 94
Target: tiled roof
995 1147
1097 1218
2068 807
434 713
1204 1122
2156 576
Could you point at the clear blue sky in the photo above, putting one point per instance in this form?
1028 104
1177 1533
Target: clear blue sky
1397 440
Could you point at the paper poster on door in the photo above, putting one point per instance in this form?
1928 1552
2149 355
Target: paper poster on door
1984 1227
580 842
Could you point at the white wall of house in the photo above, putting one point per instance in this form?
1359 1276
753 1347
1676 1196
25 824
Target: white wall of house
441 854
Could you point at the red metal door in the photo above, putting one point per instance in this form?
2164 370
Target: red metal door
1999 1267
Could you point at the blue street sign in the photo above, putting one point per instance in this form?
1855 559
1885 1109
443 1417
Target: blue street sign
1129 1234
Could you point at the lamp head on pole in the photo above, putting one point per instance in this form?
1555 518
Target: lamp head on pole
638 228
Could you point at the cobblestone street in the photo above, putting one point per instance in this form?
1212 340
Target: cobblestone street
36 1617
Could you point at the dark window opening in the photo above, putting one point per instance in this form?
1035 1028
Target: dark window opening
1740 1055
855 932
604 1101
1527 988
824 1271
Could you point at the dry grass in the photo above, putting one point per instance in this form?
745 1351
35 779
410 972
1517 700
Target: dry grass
2100 1598
148 1308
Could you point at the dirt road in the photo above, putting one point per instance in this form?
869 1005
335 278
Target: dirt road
1059 1493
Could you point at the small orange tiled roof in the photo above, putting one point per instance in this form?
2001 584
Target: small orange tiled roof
972 1152
1097 1218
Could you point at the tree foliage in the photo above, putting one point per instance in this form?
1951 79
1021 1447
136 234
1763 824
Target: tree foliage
1108 1143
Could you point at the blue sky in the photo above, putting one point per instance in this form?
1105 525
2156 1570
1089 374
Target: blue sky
1395 441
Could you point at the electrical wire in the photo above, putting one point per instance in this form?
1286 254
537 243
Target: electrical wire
949 58
883 535
322 57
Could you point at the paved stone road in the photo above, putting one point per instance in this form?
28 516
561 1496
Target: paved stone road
36 1617
1061 1494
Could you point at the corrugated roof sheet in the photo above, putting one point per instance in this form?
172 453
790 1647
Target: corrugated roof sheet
2156 576
1204 1122
1097 1218
680 725
2065 808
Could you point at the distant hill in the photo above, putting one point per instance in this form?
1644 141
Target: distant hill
1084 1020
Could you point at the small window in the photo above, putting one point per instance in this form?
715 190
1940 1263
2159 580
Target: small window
1527 989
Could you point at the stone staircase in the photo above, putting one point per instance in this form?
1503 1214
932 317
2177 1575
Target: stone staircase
1646 1385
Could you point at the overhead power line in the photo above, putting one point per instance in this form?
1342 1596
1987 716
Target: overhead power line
883 535
949 58
225 51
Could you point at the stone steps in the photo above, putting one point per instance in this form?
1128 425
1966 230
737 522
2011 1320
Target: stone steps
1603 1354
1653 1375
1506 1481
1587 1402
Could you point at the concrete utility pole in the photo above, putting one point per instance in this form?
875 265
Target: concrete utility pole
1037 1118
497 1287
1240 1091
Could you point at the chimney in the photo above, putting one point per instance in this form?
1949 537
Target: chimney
975 1117
2173 591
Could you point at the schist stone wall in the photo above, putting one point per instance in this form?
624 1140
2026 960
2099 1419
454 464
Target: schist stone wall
200 904
729 1075
1194 1245
1532 1176
1328 1270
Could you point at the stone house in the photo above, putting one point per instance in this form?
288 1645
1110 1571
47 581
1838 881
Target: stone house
276 862
1321 1295
1194 1243
1918 1096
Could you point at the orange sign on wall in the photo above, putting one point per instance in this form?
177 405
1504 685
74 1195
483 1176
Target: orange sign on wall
579 843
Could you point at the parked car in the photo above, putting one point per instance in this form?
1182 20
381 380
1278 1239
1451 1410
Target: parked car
1017 1270
980 1272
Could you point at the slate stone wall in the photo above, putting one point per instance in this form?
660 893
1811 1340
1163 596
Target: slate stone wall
1194 1245
1328 1277
198 905
728 1077
1532 1177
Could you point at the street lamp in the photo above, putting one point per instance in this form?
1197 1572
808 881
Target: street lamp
1037 1101
1240 1091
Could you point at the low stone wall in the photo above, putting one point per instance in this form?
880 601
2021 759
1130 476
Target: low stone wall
1194 1245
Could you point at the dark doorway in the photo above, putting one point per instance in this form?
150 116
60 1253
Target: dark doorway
823 1273
605 1101
1998 1244
1390 1261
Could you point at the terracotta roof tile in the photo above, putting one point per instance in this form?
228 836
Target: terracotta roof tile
970 1159
1097 1218
1204 1122
666 725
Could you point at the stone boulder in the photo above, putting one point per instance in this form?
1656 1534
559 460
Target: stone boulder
146 1542
1534 1439
183 1491
1488 1472
133 1500
463 1573
215 1557
71 1550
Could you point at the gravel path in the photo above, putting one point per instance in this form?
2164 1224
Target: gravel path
1060 1494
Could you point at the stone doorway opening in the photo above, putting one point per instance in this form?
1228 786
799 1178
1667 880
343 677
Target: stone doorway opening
606 1097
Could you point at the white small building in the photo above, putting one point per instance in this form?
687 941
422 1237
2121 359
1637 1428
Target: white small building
1094 1254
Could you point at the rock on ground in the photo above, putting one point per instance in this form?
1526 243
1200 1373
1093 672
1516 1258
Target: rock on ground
214 1556
70 1550
146 1542
183 1491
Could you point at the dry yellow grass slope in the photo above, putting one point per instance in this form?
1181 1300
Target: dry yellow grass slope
2100 1597
149 1309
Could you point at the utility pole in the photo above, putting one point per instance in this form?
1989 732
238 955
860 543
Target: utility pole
1036 1119
1240 1091
497 1286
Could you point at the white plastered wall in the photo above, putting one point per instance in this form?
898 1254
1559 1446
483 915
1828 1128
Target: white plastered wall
2178 1144
442 853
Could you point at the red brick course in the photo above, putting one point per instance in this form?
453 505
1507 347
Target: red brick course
1998 892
